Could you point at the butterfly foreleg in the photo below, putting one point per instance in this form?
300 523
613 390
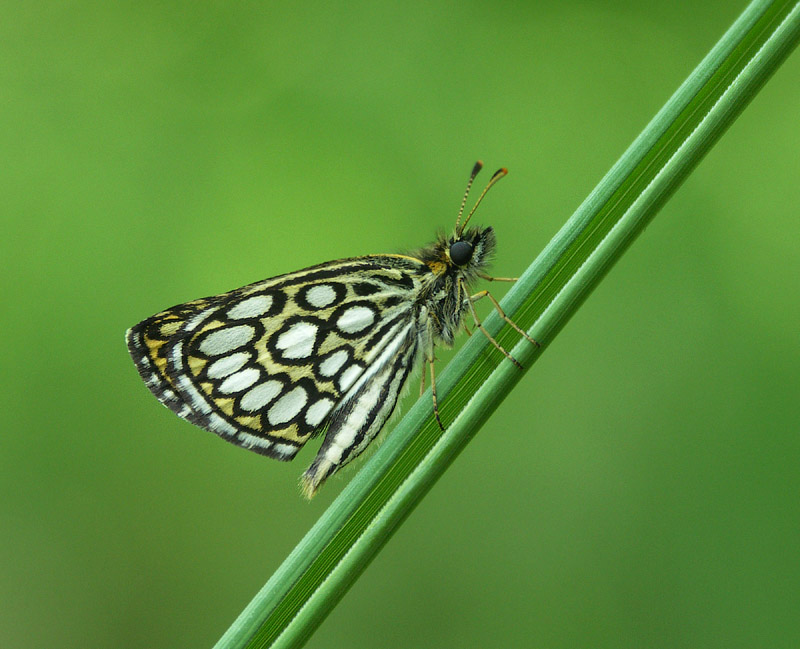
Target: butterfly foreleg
489 278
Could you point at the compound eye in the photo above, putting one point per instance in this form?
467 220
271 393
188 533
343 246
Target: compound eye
461 252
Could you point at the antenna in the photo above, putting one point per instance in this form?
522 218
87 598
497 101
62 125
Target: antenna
497 176
478 166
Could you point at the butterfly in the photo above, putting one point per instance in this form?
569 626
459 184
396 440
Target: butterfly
327 349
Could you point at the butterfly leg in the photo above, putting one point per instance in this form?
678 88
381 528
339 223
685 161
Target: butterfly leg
489 278
513 324
433 393
480 326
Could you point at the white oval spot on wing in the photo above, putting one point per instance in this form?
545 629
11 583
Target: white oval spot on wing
222 341
318 411
227 365
287 407
252 307
260 395
333 363
298 340
355 319
320 296
349 376
239 381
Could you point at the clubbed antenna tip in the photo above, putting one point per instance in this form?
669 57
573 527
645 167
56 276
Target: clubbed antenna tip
497 175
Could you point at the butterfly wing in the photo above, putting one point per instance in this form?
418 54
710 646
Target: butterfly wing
264 366
362 412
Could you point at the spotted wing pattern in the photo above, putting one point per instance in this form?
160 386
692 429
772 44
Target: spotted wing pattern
264 366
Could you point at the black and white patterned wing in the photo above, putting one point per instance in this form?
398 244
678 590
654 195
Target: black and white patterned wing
264 366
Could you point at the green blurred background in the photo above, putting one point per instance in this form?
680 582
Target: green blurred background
639 488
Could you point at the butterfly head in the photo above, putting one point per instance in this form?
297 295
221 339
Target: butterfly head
469 251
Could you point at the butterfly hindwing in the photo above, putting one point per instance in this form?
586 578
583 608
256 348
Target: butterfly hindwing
266 365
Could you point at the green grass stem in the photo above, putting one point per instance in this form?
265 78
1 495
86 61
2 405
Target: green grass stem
347 536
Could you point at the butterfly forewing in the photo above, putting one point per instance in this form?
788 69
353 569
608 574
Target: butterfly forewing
266 365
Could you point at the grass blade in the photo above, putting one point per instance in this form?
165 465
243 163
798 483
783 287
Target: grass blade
339 547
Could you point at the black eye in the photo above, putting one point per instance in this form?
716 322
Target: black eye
461 252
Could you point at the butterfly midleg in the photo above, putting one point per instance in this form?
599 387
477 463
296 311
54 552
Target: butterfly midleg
480 326
484 293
